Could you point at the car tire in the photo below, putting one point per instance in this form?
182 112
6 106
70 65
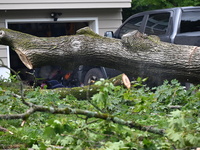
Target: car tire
93 75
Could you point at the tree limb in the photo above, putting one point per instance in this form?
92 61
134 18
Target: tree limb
84 92
5 130
135 54
89 114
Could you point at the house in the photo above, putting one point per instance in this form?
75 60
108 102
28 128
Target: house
55 18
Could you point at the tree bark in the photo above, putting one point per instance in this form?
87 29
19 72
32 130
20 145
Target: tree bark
135 54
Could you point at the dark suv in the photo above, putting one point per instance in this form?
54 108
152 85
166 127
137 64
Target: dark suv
180 25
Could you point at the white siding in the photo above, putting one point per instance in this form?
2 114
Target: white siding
62 4
5 61
3 49
3 52
63 1
4 72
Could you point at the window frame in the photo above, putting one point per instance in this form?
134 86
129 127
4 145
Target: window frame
117 33
168 29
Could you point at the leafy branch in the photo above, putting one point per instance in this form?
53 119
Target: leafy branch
113 117
90 114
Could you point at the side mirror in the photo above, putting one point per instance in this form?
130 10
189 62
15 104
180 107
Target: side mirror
109 34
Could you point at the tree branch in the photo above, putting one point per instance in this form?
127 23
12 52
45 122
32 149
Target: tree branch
5 130
135 54
84 92
89 114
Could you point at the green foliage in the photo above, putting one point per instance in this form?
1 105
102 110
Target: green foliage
169 107
144 5
158 4
184 128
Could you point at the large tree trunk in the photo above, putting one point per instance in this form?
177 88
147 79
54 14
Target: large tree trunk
135 54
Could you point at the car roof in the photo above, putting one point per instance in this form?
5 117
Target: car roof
193 8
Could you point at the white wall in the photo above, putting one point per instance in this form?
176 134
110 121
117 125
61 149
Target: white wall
62 4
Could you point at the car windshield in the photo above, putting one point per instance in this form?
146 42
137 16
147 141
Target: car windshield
190 22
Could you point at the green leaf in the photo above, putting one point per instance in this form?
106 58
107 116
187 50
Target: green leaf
35 147
192 139
67 141
175 136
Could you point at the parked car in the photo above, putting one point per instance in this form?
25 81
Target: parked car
179 25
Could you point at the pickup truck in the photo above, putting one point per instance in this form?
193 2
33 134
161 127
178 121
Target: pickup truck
179 25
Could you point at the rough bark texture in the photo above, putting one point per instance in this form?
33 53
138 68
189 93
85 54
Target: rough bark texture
135 54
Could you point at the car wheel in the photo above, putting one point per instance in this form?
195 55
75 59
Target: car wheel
93 75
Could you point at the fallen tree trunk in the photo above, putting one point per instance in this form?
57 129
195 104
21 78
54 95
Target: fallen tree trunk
135 54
